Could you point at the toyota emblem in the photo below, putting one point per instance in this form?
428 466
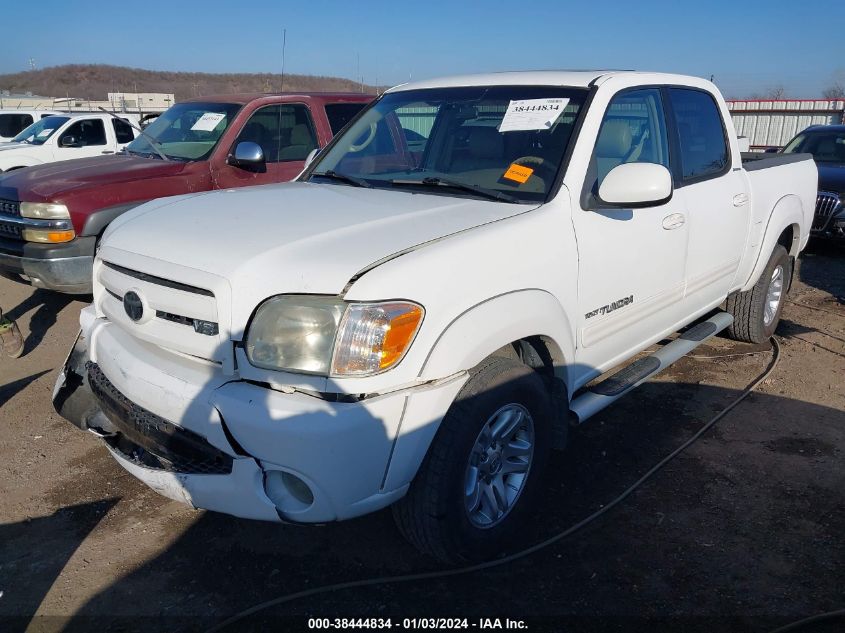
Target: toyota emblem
133 306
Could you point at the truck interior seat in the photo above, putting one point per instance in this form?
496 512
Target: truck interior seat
613 146
486 149
301 142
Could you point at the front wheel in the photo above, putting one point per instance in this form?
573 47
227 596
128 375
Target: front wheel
757 311
484 467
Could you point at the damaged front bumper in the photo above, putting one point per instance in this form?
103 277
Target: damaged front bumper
220 443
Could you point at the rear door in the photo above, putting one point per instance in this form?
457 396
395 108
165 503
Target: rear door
714 191
631 261
123 133
286 134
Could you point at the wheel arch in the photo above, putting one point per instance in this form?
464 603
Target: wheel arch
535 320
784 227
530 319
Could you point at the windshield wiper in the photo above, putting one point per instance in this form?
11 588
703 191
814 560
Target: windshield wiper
352 180
153 142
435 181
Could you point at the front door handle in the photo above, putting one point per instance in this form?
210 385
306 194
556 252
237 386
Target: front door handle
674 221
740 199
107 151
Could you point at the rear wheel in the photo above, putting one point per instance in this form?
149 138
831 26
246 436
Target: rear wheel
757 311
483 470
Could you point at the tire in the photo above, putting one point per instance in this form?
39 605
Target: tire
752 323
435 516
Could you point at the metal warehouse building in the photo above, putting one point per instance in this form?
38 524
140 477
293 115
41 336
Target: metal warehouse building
772 122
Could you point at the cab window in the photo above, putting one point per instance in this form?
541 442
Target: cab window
633 131
87 132
284 132
701 134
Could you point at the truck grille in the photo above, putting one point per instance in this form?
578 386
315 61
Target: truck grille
150 440
10 207
176 316
9 230
827 204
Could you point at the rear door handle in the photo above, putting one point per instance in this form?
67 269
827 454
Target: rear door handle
740 199
674 221
107 151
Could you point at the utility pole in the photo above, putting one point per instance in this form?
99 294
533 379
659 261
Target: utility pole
284 45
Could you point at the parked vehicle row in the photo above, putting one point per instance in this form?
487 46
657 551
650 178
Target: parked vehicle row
443 291
52 215
12 122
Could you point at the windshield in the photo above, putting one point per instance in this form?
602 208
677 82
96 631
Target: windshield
826 147
496 142
39 132
186 131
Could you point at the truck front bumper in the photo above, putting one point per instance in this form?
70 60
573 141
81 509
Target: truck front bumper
63 267
235 447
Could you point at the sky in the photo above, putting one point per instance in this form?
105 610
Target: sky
748 46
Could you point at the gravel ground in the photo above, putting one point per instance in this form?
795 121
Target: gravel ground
743 532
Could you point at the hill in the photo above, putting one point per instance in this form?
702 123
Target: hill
94 81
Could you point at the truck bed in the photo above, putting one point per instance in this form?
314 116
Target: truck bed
751 161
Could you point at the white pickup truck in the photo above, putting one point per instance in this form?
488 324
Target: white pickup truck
12 122
420 317
65 137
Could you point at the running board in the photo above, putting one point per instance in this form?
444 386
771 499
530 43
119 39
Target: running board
609 390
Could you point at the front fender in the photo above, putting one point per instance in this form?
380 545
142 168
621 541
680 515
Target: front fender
17 161
788 212
482 329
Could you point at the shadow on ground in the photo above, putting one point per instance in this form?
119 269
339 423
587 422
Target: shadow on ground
47 305
743 532
33 554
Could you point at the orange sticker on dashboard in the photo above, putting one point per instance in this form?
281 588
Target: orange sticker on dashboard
518 173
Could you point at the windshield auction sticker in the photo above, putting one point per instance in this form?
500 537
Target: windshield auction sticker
518 173
208 121
532 114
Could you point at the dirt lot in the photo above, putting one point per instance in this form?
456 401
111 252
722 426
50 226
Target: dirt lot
743 532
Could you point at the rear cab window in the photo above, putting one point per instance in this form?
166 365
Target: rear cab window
701 134
122 131
12 123
339 114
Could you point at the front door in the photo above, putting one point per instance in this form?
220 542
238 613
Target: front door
84 138
286 135
631 261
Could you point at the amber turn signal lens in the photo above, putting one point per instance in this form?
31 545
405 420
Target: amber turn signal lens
373 337
400 333
47 236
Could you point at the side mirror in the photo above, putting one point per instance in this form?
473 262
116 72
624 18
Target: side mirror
311 156
249 156
744 144
69 141
636 185
771 150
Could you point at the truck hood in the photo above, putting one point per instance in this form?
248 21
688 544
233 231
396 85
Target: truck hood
832 177
52 181
7 145
289 238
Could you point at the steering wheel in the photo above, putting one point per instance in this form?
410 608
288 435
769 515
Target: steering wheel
537 164
366 141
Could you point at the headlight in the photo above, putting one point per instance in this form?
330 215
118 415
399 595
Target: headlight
44 211
321 335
